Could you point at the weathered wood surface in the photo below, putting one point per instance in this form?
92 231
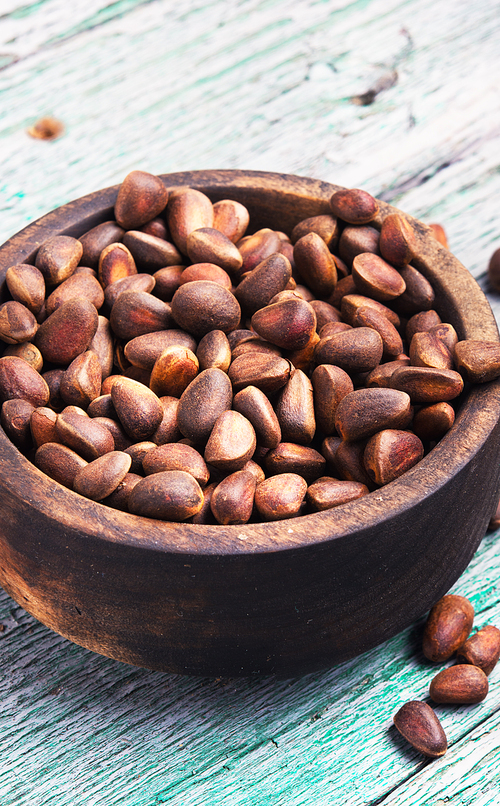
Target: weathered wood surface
263 85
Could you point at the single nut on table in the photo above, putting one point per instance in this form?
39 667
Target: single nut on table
482 649
448 626
459 685
478 361
418 724
280 496
172 495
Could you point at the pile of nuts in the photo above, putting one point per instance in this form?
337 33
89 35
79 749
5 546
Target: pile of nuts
169 364
447 632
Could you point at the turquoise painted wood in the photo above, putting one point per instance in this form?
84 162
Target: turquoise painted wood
269 85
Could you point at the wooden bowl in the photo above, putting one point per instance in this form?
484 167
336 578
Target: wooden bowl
287 597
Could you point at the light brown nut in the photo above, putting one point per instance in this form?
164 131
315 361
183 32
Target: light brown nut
326 493
354 206
201 306
375 278
363 412
304 359
176 456
134 282
232 500
433 422
448 626
426 384
17 323
78 286
356 350
102 346
356 240
231 443
478 361
390 453
172 495
26 285
267 372
28 352
325 313
418 724
141 197
167 282
101 477
43 426
315 264
205 515
151 253
257 247
115 263
259 286
289 324
205 271
98 238
231 218
119 497
53 380
58 257
427 350
459 685
59 462
83 434
120 438
418 295
173 371
137 452
139 410
67 332
439 234
136 313
295 409
143 351
255 469
300 459
209 245
15 420
331 384
204 400
187 210
397 240
19 380
421 322
482 649
214 351
281 496
101 406
333 327
381 375
325 226
255 406
351 303
81 382
370 317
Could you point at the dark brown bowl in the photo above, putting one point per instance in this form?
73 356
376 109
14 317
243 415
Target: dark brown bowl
286 597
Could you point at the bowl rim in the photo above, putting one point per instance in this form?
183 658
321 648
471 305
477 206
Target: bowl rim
476 419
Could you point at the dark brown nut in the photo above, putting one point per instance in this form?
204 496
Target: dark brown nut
102 346
315 264
295 409
418 295
201 306
390 453
85 270
59 462
478 361
236 337
26 285
397 240
78 286
426 384
351 303
356 350
349 463
431 423
421 322
209 245
83 434
267 372
325 313
43 426
290 458
304 358
141 197
120 496
101 477
205 515
58 257
139 410
303 292
232 442
329 448
356 240
214 351
81 382
445 333
439 234
206 271
427 350
255 345
419 725
281 496
143 351
255 469
326 493
331 384
260 285
115 263
333 327
258 247
15 420
482 649
204 400
325 226
28 352
494 270
288 324
98 238
255 406
67 332
136 313
120 438
375 278
173 371
459 685
232 500
172 495
101 406
231 218
53 380
135 282
448 626
151 253
187 210
17 323
176 456
19 380
370 317
362 413
381 375
137 452
156 227
167 282
354 206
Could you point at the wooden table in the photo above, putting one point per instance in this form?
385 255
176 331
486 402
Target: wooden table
400 98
